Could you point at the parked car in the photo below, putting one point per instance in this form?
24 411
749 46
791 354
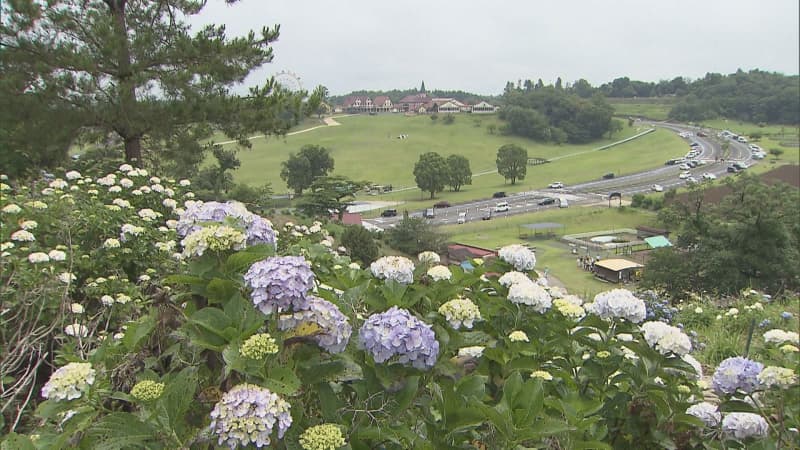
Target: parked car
389 213
709 176
442 204
563 203
462 217
608 176
685 166
657 188
734 169
501 207
684 175
547 201
500 194
556 185
700 134
692 180
429 213
487 216
740 165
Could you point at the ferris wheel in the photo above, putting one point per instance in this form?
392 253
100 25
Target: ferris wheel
289 80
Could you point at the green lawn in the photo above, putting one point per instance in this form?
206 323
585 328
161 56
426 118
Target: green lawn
784 137
367 148
652 108
553 253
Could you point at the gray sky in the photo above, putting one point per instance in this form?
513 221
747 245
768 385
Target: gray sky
477 46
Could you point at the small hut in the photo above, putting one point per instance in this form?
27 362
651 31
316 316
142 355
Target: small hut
617 270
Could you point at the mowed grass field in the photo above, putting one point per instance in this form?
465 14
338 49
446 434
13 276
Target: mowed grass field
652 108
552 253
367 148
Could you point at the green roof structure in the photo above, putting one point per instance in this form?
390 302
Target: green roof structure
658 242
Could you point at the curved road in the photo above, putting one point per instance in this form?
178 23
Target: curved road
711 157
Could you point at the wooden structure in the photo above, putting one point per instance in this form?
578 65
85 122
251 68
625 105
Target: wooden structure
617 270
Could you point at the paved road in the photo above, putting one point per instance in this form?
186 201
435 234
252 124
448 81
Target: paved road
711 156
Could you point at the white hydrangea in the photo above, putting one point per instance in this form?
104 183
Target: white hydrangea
698 368
777 376
28 225
518 336
666 339
107 300
6 246
115 189
72 175
618 303
429 257
776 336
460 311
58 183
111 243
76 329
707 412
519 256
76 308
22 236
66 277
440 273
127 183
397 268
170 203
218 238
530 294
185 183
38 257
148 214
512 278
125 168
745 425
12 209
122 298
157 188
69 382
122 203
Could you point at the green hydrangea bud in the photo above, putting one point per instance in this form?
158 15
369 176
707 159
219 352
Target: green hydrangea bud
258 346
147 390
322 437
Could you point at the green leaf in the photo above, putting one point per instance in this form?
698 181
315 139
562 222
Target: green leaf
220 291
328 401
178 396
244 315
282 380
239 262
212 319
404 396
120 430
14 441
137 331
185 279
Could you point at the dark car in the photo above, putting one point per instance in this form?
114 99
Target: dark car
734 169
500 194
700 134
442 204
389 213
547 201
608 176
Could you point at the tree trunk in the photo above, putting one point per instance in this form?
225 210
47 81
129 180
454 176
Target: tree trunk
133 149
127 89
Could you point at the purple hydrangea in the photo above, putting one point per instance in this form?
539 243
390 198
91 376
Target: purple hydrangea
257 229
398 333
736 373
280 283
334 328
247 414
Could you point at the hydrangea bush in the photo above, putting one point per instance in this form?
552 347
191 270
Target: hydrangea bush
246 337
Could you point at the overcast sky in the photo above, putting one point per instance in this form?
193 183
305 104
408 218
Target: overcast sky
477 46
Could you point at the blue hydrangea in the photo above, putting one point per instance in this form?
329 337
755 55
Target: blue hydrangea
657 308
397 333
280 283
247 414
736 374
334 329
257 229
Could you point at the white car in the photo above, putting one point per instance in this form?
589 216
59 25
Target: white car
684 166
657 188
709 176
692 180
501 207
462 217
684 175
556 185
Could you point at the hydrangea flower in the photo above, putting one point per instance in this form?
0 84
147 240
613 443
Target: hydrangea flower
777 376
460 311
333 331
397 268
111 243
12 209
280 283
76 329
217 238
440 273
707 412
775 336
397 333
618 303
473 352
69 382
429 258
322 437
736 374
57 255
257 229
666 338
258 346
544 375
518 336
519 256
147 390
692 361
72 175
22 236
28 225
568 308
513 277
530 294
38 257
745 425
247 414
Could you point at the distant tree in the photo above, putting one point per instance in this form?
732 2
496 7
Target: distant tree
330 194
559 86
413 235
775 152
539 84
583 89
434 117
422 88
448 119
614 127
492 128
458 172
430 173
528 85
217 178
512 162
360 244
300 170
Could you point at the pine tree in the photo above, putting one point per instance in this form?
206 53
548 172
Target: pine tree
422 88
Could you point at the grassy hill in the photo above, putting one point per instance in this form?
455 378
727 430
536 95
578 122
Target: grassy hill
367 147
